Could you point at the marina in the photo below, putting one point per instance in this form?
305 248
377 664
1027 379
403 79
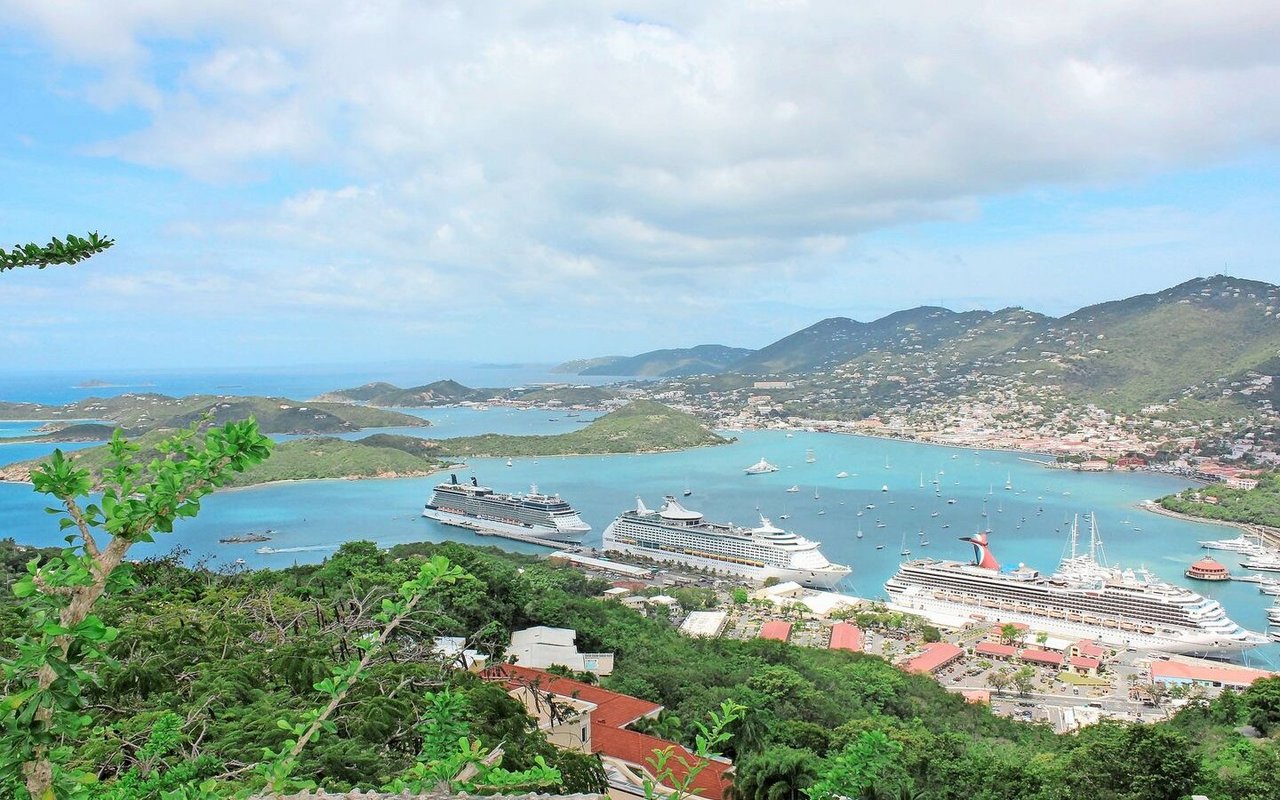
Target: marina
309 514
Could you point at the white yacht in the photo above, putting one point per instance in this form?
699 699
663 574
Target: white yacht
679 535
760 468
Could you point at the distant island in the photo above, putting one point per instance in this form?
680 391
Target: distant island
137 414
450 392
642 426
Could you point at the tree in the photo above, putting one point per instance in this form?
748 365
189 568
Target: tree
1262 699
1010 633
870 760
74 250
779 773
64 637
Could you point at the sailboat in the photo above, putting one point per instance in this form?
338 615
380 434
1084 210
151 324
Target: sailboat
508 462
809 457
905 551
921 480
1008 482
816 496
859 530
886 463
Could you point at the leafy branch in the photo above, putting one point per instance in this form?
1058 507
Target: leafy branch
706 747
74 250
47 677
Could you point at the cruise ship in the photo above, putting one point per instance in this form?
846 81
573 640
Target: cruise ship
1084 598
680 535
483 510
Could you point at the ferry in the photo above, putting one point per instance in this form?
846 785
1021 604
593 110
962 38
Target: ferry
1119 607
481 509
679 535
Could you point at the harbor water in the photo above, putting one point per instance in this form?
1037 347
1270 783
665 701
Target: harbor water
934 494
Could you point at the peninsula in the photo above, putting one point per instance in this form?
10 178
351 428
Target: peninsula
643 426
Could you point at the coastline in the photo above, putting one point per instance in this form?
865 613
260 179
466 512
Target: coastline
1269 534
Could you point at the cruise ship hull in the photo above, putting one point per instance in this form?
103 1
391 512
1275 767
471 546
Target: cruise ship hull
813 579
919 600
506 529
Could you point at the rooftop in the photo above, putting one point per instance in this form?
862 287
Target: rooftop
934 656
777 630
846 636
1227 676
611 708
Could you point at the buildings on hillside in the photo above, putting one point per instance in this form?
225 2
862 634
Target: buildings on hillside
543 647
588 719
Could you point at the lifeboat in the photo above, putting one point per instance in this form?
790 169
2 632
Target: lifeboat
1057 613
1074 616
1109 623
1147 629
1128 626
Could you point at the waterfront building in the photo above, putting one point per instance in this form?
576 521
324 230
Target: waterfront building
846 636
1173 673
777 630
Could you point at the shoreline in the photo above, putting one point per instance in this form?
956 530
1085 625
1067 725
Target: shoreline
1268 534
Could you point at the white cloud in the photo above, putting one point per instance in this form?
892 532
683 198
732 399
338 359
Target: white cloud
616 151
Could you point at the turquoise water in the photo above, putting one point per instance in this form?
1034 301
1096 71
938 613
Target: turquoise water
1029 523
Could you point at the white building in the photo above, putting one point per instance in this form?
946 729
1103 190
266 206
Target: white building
543 647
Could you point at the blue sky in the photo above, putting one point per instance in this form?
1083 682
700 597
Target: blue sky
535 181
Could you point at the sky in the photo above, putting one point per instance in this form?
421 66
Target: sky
366 181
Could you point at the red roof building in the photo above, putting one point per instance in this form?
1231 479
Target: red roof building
619 710
1046 658
846 636
1208 569
637 748
934 657
1088 649
1084 666
609 736
1177 672
777 630
995 650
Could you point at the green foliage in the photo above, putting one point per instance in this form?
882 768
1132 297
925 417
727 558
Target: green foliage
53 658
707 743
870 760
74 250
1257 506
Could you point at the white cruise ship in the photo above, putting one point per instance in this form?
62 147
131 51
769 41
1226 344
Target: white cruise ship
481 509
1082 599
677 534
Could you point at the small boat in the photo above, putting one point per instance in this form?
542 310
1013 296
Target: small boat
509 462
881 547
821 512
924 542
1008 482
687 491
265 551
859 513
809 457
871 505
921 480
842 474
905 551
879 524
816 496
239 562
884 488
934 514
790 435
859 531
784 516
760 467
794 489
951 501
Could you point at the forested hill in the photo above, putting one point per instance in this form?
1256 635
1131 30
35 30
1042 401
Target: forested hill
1192 339
444 392
705 358
225 656
639 427
140 413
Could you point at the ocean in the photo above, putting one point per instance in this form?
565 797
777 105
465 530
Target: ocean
1029 522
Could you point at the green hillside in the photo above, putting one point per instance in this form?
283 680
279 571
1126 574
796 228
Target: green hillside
705 358
139 413
1257 506
438 393
590 396
306 459
641 426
